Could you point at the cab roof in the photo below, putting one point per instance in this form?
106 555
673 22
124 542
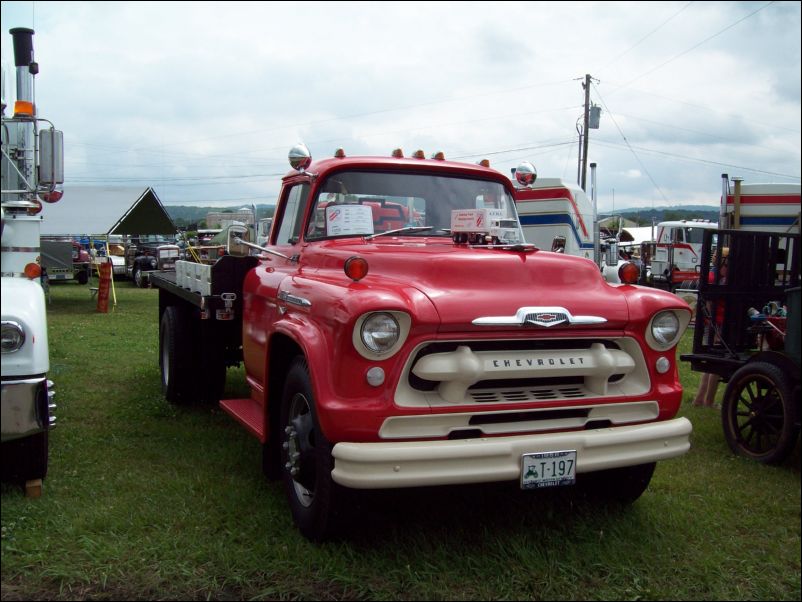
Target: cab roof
323 167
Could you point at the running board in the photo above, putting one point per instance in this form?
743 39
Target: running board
249 412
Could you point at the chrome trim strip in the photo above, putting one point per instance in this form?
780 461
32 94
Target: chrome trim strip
538 316
294 299
20 249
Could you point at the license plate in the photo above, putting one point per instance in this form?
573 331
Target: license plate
548 469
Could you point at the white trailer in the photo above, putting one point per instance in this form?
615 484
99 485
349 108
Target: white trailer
760 207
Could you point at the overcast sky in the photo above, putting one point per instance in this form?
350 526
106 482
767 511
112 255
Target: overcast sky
202 100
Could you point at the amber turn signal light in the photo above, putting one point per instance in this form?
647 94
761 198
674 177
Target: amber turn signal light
628 273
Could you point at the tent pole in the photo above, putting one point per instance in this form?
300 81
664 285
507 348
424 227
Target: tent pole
113 290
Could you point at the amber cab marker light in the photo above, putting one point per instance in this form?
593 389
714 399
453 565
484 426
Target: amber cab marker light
628 273
398 153
24 107
339 153
33 271
356 268
484 163
419 154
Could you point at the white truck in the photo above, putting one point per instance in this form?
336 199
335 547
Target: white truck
754 207
556 216
32 169
678 252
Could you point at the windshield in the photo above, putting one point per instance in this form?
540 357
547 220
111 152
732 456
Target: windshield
694 235
354 203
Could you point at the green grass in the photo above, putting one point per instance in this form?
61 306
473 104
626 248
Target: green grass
148 501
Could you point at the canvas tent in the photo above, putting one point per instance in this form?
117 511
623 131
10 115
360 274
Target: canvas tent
105 211
635 236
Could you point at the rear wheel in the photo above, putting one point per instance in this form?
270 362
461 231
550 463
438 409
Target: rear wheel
175 354
759 413
190 357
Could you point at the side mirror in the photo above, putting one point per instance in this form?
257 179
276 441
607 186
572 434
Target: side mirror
526 174
51 157
300 158
232 246
612 254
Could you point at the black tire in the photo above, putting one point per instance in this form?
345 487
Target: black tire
620 486
176 351
306 460
83 277
759 413
25 459
191 358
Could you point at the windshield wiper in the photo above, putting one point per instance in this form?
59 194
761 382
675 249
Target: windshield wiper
397 230
517 247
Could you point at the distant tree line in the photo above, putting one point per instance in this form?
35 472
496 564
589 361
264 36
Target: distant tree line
645 217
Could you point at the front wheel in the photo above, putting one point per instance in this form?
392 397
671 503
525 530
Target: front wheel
758 413
306 460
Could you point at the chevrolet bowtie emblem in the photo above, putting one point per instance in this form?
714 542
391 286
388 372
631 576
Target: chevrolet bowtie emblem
545 319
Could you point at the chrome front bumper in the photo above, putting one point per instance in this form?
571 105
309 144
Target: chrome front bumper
25 407
443 462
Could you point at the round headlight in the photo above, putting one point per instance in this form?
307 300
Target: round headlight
380 332
665 327
13 337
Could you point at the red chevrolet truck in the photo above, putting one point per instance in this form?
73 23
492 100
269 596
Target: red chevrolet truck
397 331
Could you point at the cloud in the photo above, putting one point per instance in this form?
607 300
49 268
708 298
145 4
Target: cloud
203 103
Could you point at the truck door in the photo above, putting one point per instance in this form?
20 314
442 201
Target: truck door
261 305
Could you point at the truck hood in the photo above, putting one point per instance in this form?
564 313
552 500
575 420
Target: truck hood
466 284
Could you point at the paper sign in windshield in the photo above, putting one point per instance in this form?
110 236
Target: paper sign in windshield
349 219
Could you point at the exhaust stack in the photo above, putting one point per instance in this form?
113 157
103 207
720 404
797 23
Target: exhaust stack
27 68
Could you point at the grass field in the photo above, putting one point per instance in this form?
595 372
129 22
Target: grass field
148 501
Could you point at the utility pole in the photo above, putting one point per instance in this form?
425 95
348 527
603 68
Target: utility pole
586 86
591 122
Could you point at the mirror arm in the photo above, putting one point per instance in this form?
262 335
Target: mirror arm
239 241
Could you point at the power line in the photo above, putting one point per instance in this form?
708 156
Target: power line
311 142
695 46
655 30
513 150
703 107
707 134
697 160
366 114
634 154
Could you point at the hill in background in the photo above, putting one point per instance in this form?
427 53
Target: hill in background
188 215
185 216
646 216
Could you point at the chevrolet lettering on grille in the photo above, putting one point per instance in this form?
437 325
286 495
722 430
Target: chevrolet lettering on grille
534 363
